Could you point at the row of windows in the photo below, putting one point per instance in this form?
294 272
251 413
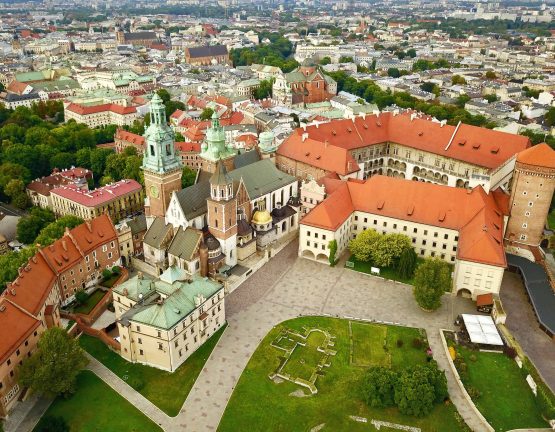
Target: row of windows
316 235
405 229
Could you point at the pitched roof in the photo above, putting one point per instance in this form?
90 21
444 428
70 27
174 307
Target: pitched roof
540 155
157 233
185 243
100 195
15 327
192 200
137 224
471 144
93 109
473 213
32 286
261 178
207 51
94 233
220 176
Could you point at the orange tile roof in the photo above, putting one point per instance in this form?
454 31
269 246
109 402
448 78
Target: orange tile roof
471 144
15 327
86 110
318 154
124 135
94 233
62 254
32 286
473 213
540 155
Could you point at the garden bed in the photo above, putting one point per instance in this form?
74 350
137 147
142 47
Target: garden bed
166 390
388 273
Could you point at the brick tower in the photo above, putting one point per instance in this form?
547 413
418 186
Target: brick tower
532 189
222 213
162 168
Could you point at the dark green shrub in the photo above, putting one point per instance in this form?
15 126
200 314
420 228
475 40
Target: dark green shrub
52 424
136 382
106 273
400 343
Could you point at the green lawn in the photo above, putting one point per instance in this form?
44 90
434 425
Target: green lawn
259 404
166 390
506 400
369 341
91 302
96 407
304 359
385 272
551 220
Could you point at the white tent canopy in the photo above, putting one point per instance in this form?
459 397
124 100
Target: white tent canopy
482 330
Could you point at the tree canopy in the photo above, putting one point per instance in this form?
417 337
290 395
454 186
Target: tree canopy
52 369
383 250
432 279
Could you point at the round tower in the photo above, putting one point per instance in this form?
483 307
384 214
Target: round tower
532 189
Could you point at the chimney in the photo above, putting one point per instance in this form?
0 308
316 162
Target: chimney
139 275
413 116
304 136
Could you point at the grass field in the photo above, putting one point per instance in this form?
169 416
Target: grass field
91 302
385 272
259 404
304 359
166 390
551 220
506 400
96 407
369 341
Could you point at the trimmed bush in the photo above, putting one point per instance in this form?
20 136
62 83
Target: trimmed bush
106 273
510 352
116 270
400 343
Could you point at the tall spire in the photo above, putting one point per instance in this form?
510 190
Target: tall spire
159 153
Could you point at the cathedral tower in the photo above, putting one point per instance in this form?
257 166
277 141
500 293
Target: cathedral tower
222 213
214 149
162 168
531 193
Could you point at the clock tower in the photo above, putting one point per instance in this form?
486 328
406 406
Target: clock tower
161 167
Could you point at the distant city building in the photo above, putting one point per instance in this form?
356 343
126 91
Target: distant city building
207 55
142 38
39 190
100 115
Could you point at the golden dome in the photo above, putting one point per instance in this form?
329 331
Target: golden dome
261 217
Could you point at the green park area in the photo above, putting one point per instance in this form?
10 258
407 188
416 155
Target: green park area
166 390
389 272
262 402
96 407
499 389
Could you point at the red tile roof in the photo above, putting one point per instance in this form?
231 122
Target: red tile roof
471 144
86 110
17 87
15 327
318 154
92 234
187 147
32 286
473 213
124 135
540 155
100 195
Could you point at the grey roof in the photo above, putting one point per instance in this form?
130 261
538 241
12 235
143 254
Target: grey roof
157 233
245 158
185 243
220 176
193 199
144 35
137 224
207 51
261 178
539 290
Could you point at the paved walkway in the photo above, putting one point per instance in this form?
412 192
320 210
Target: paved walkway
521 322
27 414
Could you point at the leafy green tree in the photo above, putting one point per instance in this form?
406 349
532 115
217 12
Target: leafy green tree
550 117
491 75
332 246
362 246
55 230
28 227
179 137
411 52
133 169
389 248
115 166
98 160
9 171
11 262
15 189
414 394
206 113
490 98
407 263
52 369
83 158
81 296
378 387
164 95
62 160
432 279
264 90
325 60
346 59
457 79
188 177
393 72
